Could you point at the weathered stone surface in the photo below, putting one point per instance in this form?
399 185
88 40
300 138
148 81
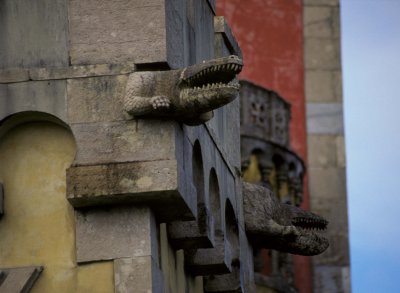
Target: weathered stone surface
246 262
51 73
14 75
212 4
332 279
103 234
122 182
19 279
325 118
96 99
338 251
188 95
326 151
323 151
120 179
77 71
36 33
155 183
227 134
200 29
210 261
326 186
214 157
192 234
321 22
323 86
43 96
322 53
341 151
123 141
327 189
274 225
107 31
138 274
321 2
177 47
224 38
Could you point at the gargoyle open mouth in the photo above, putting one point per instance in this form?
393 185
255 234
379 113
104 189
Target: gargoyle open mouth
310 238
217 74
310 223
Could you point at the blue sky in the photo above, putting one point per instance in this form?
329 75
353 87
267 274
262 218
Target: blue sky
371 72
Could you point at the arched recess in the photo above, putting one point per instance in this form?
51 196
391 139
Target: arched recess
232 232
198 181
276 178
251 170
38 227
24 117
215 202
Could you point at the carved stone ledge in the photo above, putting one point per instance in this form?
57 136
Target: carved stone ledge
193 234
77 71
210 261
155 183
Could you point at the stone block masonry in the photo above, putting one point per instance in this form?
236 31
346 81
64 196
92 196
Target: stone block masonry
140 190
325 136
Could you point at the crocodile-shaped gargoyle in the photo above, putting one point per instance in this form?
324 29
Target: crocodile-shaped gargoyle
283 227
188 95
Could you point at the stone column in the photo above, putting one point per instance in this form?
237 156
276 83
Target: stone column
326 152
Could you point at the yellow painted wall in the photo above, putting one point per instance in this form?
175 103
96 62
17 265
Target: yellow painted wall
38 225
252 174
172 266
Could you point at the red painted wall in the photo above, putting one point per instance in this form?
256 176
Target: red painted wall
270 34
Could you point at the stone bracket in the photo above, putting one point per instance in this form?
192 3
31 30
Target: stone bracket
192 234
76 71
154 183
210 261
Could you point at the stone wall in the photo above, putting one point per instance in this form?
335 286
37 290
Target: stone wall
153 205
326 150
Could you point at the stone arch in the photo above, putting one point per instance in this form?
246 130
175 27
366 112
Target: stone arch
215 202
38 225
198 182
232 231
18 118
251 168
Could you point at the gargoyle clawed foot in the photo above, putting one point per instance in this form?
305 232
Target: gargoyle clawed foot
160 103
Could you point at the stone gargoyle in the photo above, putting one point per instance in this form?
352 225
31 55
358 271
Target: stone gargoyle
187 95
274 225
